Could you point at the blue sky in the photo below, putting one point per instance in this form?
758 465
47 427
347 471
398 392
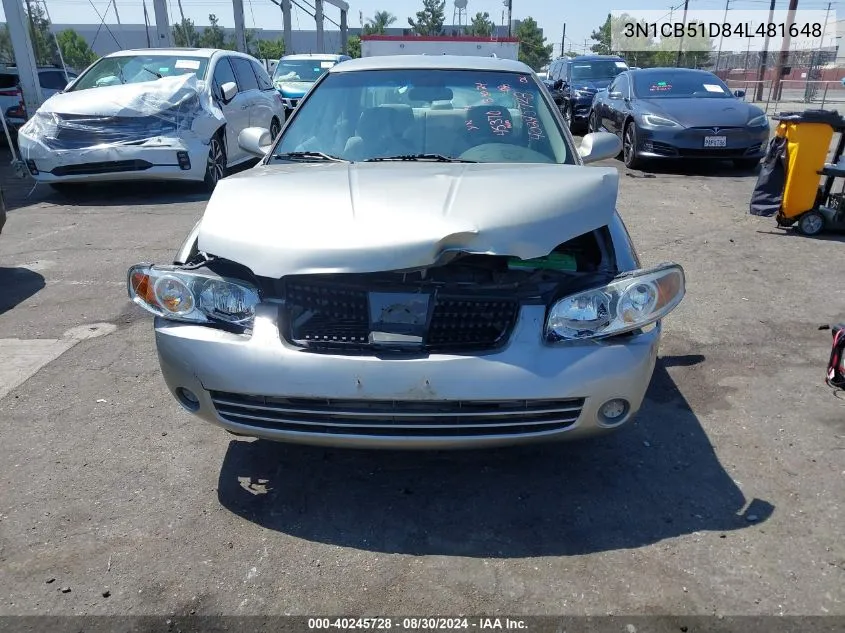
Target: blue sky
580 17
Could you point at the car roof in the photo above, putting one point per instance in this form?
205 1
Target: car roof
193 52
430 62
668 69
317 56
587 58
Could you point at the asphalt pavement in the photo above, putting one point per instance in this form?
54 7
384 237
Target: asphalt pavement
727 496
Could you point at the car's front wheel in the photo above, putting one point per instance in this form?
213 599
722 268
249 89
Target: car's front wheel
215 168
275 128
593 122
629 147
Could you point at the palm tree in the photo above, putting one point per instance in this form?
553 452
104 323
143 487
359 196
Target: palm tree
379 22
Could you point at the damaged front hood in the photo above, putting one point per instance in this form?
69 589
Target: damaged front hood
366 217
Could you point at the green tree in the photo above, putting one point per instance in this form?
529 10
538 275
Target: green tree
43 42
533 49
271 49
185 33
430 20
7 55
354 46
75 50
213 36
481 25
377 24
602 38
249 36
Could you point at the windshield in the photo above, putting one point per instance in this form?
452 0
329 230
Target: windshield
669 84
452 114
111 71
301 69
598 69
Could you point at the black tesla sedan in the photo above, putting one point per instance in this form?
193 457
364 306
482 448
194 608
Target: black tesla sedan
679 113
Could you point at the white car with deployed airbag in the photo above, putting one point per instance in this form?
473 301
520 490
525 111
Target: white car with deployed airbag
401 271
171 114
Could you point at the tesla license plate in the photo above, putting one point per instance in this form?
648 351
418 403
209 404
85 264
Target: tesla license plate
715 141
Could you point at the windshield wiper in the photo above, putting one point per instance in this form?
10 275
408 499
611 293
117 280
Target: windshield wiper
308 156
152 72
439 158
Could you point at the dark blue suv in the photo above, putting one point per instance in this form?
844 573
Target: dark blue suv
575 80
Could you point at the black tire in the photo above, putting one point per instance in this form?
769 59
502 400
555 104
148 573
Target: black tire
746 164
215 168
629 146
811 223
592 122
275 128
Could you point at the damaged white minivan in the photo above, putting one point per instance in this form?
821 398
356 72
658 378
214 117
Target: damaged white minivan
403 270
152 114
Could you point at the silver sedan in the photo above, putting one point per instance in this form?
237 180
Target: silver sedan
398 272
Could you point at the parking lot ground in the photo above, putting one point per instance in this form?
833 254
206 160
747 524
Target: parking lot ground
726 496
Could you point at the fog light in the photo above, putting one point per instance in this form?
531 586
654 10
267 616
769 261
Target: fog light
614 411
187 399
648 146
30 165
184 160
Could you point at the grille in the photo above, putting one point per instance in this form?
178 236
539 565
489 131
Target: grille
332 316
108 167
80 132
399 418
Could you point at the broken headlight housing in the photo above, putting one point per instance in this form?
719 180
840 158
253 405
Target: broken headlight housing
628 303
192 296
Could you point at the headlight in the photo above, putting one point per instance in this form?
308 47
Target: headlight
759 121
192 296
659 121
581 94
628 303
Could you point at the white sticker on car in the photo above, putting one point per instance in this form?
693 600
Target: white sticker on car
714 88
192 64
326 64
621 65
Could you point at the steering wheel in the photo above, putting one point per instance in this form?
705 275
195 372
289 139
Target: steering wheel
504 153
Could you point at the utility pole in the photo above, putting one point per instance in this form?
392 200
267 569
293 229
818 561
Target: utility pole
510 18
116 14
287 27
721 37
784 50
761 69
31 22
563 40
681 43
147 24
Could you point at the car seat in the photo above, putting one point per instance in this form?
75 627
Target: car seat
377 134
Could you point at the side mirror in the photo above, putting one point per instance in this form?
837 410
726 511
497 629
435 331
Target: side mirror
558 85
597 146
739 94
614 95
256 141
228 91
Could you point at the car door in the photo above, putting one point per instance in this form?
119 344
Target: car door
265 107
612 104
247 85
622 104
236 111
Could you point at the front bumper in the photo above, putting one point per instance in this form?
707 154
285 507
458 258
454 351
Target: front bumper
154 159
261 386
740 143
581 108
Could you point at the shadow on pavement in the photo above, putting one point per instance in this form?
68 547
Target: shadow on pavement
827 236
18 285
615 492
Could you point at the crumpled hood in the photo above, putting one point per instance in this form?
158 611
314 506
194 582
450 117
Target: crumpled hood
294 89
694 112
314 218
135 99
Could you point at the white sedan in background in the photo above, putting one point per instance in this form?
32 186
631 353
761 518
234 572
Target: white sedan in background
172 114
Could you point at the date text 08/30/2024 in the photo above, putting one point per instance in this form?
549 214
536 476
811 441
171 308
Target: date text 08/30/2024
417 624
721 29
